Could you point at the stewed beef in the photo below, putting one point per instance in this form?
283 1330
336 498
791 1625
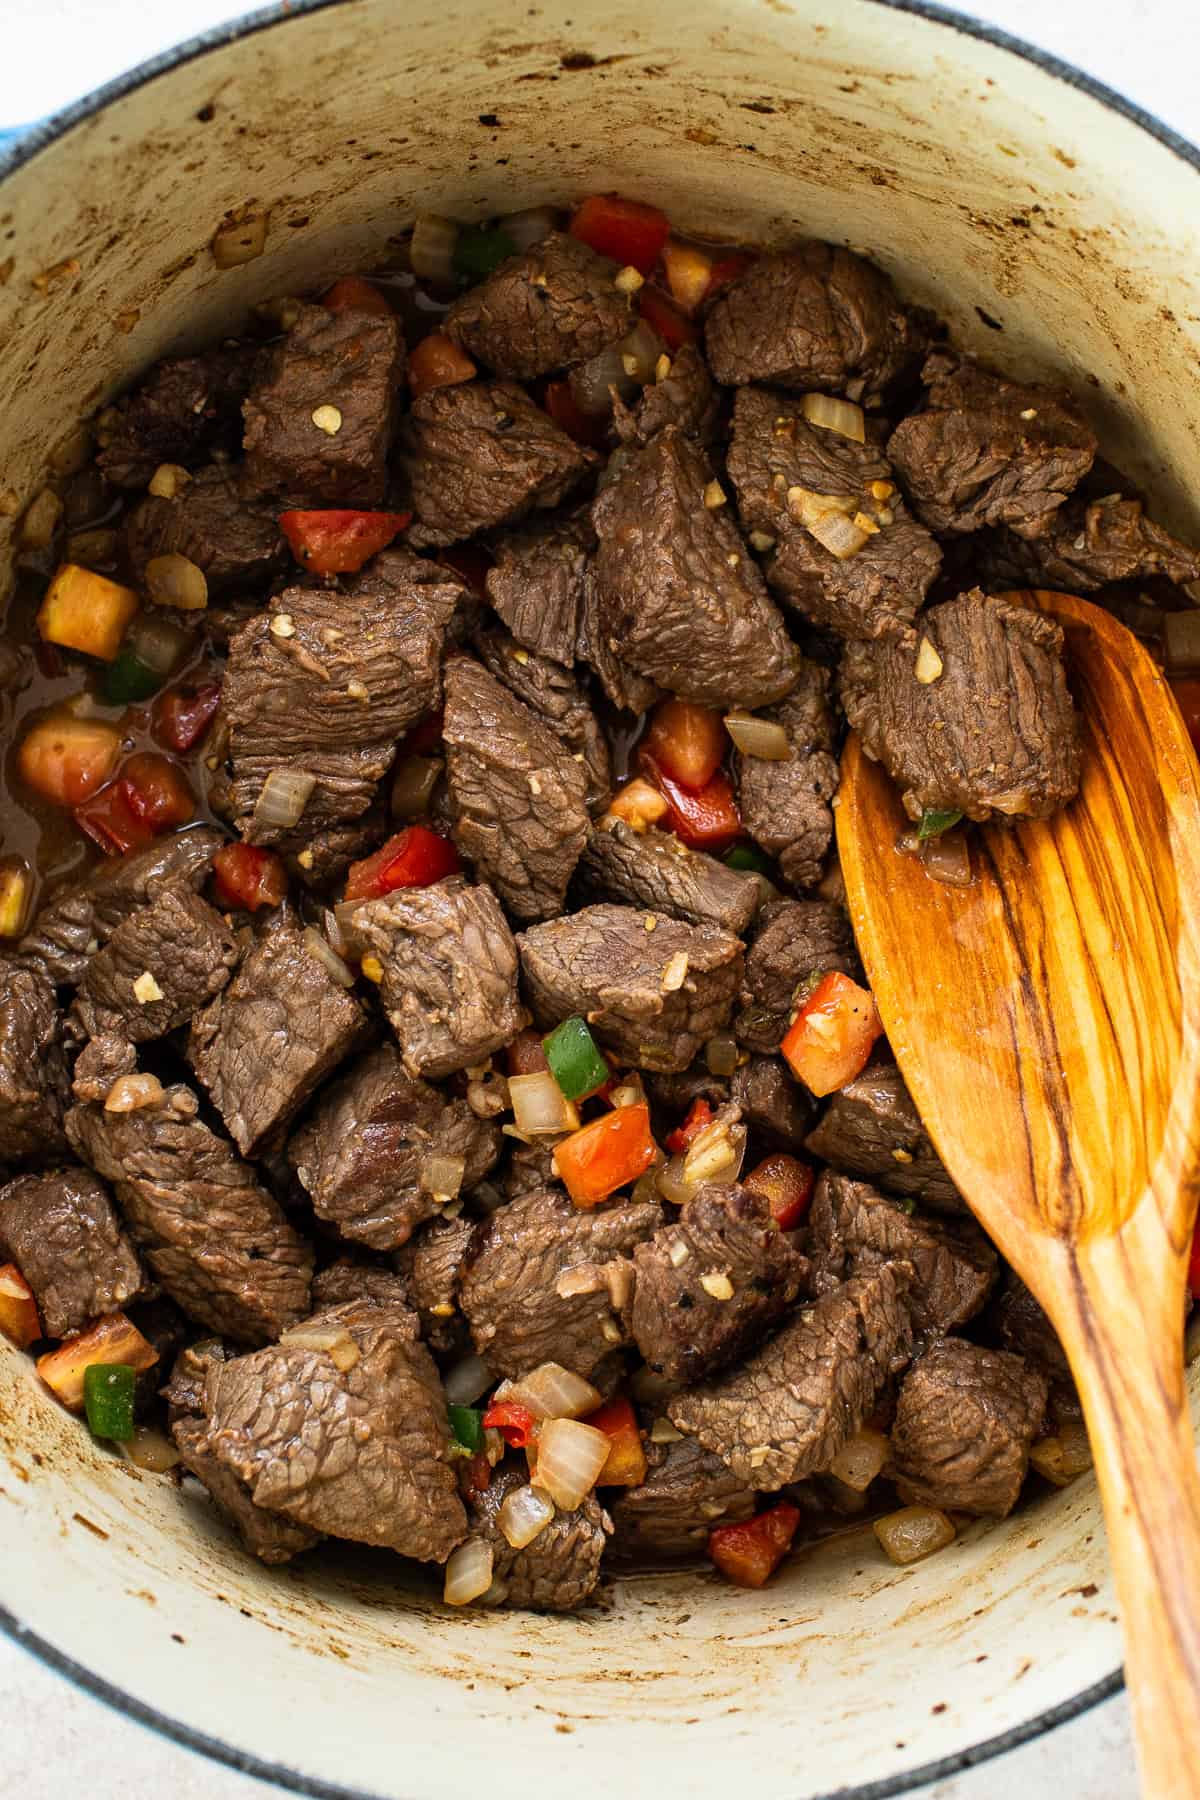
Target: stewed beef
537 581
677 589
772 1102
556 694
1026 1330
431 1263
775 448
682 394
970 711
989 451
349 1279
517 795
965 1418
270 1536
656 870
546 1281
687 1491
33 1070
559 1570
796 940
603 651
186 407
480 455
869 593
449 973
788 1409
64 1235
363 1153
871 1128
785 804
319 418
323 856
160 965
542 310
530 1166
1088 544
236 542
652 987
213 1236
184 1391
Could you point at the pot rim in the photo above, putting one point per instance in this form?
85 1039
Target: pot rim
14 156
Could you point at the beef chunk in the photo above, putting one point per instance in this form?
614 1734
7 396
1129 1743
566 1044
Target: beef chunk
994 733
559 1569
264 1045
235 542
362 1153
775 448
159 966
482 454
270 1536
431 1262
101 1062
63 1233
650 986
547 1282
329 679
965 1419
710 1283
346 368
537 584
602 650
788 1410
530 1166
184 1392
853 1229
868 594
449 983
347 1279
797 940
542 310
556 695
988 451
359 1451
186 407
772 1102
677 589
813 317
871 1128
215 1238
1089 544
326 855
516 793
656 870
33 1071
683 396
1027 1331
785 805
687 1491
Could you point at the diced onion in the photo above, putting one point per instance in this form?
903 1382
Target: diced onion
468 1573
947 858
175 581
285 794
838 534
16 895
861 1460
929 664
591 381
671 1184
715 1154
328 958
488 1097
432 249
529 227
129 1093
914 1532
570 1457
1181 641
630 1093
1063 1457
552 1392
758 737
721 1054
334 1340
151 1450
835 415
41 520
442 1176
540 1107
496 1595
523 1513
640 351
650 1387
467 1381
807 506
168 481
157 642
413 785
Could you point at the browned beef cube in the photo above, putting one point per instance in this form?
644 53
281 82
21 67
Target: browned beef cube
480 455
601 649
656 870
328 680
678 591
270 1536
33 1071
556 695
352 1440
449 973
324 856
993 733
1087 545
235 542
1026 1330
785 805
215 1238
683 395
545 1281
772 1102
184 1392
537 584
186 407
530 1166
265 1044
319 418
988 451
710 1283
788 1410
650 986
871 1128
816 316
865 595
517 796
63 1233
558 1571
775 448
687 1491
348 1279
542 310
432 1262
160 965
362 1153
796 940
965 1418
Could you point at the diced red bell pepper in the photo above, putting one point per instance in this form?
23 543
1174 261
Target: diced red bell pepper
787 1186
626 1465
627 230
149 796
354 294
828 1043
112 1339
608 1154
181 716
699 1117
725 270
18 1309
514 1422
525 1054
109 820
247 877
663 316
584 428
686 742
67 760
415 857
1193 1272
436 362
708 820
1187 698
338 542
749 1554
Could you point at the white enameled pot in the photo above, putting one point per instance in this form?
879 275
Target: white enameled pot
1055 230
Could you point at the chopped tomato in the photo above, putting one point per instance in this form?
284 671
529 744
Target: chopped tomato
415 857
353 294
1193 1273
727 269
626 1465
699 1117
686 742
112 1339
627 230
606 1155
689 273
787 1186
477 1475
526 1055
665 318
425 735
638 804
569 416
247 877
182 715
337 542
708 820
830 1039
109 820
750 1553
65 759
436 362
514 1422
1187 698
18 1309
150 795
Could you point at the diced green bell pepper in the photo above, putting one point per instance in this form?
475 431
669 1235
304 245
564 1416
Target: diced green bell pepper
746 858
478 252
127 679
466 1424
575 1062
108 1400
934 822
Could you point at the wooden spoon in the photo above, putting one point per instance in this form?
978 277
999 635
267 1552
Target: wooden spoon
1047 1021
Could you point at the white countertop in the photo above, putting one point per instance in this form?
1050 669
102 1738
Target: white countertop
56 1739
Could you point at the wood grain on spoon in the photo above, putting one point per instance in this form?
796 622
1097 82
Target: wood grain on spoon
1047 1021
